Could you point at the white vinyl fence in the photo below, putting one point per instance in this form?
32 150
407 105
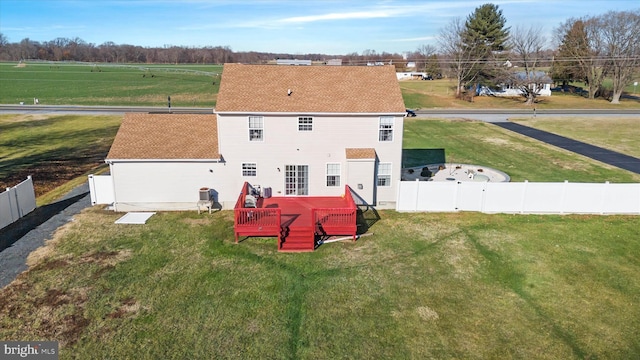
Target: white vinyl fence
101 189
519 197
17 202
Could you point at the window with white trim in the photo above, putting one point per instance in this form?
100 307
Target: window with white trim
249 169
256 128
333 174
384 174
305 123
385 128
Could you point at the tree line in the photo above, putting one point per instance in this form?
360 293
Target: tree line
76 49
479 51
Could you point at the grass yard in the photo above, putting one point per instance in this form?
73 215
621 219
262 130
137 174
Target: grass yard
419 94
424 285
107 84
475 142
463 285
54 149
618 134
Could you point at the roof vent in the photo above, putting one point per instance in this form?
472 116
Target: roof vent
289 92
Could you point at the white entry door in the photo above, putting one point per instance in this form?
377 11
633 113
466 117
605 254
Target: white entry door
296 180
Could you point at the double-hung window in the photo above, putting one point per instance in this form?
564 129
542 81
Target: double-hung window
305 123
249 169
384 174
333 174
385 128
256 128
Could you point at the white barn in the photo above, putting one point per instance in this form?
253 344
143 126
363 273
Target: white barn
295 130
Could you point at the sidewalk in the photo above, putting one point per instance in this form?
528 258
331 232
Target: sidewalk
31 232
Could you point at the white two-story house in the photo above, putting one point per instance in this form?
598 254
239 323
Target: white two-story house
294 130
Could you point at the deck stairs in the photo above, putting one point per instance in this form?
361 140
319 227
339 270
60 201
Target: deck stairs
297 239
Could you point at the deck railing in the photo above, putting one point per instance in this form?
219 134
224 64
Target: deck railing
255 221
337 220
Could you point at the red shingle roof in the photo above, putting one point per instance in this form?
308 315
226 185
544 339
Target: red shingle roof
166 136
314 89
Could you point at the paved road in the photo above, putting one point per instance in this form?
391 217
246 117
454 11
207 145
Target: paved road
102 110
597 153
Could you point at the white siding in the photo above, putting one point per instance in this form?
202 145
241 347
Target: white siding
169 185
284 145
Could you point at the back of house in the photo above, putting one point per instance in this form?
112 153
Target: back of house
295 130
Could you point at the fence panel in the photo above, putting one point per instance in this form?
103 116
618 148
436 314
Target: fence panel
504 197
526 197
17 202
101 189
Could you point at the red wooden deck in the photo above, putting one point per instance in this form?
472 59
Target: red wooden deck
296 221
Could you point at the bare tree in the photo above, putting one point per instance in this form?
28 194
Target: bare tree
460 57
621 44
527 48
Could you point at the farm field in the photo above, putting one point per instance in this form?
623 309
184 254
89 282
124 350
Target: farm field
106 84
197 86
434 285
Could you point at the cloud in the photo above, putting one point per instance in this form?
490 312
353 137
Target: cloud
371 14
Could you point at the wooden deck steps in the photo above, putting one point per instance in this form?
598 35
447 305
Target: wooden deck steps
298 239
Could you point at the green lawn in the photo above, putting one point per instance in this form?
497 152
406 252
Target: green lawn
479 143
424 285
463 285
54 149
618 134
106 84
420 94
59 83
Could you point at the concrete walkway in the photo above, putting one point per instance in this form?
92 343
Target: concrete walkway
31 232
613 158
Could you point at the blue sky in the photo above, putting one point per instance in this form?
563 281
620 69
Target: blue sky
278 26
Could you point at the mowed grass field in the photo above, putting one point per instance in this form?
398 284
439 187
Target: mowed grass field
109 84
618 134
419 94
425 285
59 83
53 149
465 285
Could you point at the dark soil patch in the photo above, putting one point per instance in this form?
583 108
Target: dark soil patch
50 265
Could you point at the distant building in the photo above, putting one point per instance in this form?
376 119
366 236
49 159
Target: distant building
292 62
334 62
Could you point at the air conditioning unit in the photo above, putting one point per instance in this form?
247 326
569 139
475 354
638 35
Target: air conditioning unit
205 194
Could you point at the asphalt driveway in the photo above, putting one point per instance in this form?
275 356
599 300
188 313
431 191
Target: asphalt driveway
597 153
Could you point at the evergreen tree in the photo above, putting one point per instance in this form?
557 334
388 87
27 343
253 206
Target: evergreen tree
574 47
486 36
